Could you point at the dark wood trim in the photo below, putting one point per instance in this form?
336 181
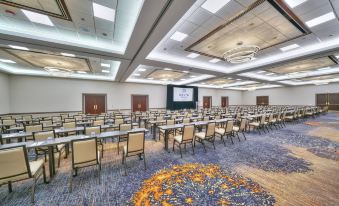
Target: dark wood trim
279 5
97 94
147 100
61 4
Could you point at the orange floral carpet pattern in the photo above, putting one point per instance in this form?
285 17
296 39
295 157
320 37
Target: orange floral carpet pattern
199 184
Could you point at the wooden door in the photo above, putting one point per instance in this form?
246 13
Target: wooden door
321 100
94 103
207 101
139 103
224 101
333 101
262 100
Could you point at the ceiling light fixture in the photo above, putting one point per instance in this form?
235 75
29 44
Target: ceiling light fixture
105 65
321 19
260 72
214 60
150 78
193 55
178 36
168 69
67 54
289 47
18 47
193 76
214 5
241 53
294 3
103 12
58 71
7 61
141 70
325 68
37 18
136 74
81 72
105 71
186 72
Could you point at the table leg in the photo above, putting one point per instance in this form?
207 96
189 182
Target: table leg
51 162
166 141
154 131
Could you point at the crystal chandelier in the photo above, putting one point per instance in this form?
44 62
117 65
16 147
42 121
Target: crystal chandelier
241 53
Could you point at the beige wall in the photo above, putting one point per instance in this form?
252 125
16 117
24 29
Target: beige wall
4 94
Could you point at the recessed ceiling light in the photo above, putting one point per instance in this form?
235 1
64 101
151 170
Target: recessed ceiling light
7 61
164 79
238 79
193 55
141 70
67 54
193 76
182 79
18 47
270 74
105 71
229 78
260 72
167 69
337 56
136 74
81 72
150 78
105 65
186 71
203 83
294 73
37 18
214 60
214 5
53 70
294 3
178 36
103 12
321 19
292 46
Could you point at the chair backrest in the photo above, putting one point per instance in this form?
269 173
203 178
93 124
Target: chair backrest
46 122
91 130
69 120
56 118
77 117
33 128
125 127
14 164
43 135
186 120
84 151
188 132
69 125
118 121
98 122
27 118
189 115
8 122
100 118
64 116
229 126
135 142
170 122
242 124
270 118
263 118
206 118
159 118
210 129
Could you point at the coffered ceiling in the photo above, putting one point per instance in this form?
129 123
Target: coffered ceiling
226 44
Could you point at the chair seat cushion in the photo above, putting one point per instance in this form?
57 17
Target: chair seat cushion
35 165
235 128
273 120
178 138
220 131
256 124
201 135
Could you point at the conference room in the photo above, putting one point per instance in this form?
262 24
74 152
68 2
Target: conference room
170 102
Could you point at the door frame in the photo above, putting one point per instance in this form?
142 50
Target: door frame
96 94
228 103
210 97
138 95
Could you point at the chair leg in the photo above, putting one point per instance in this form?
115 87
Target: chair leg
231 139
243 133
222 138
10 187
173 145
59 159
203 144
33 189
238 136
145 161
118 145
44 173
192 147
99 173
213 144
180 150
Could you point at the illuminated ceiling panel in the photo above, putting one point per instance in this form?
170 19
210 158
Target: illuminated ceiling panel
263 24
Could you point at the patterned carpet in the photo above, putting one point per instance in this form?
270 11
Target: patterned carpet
284 167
